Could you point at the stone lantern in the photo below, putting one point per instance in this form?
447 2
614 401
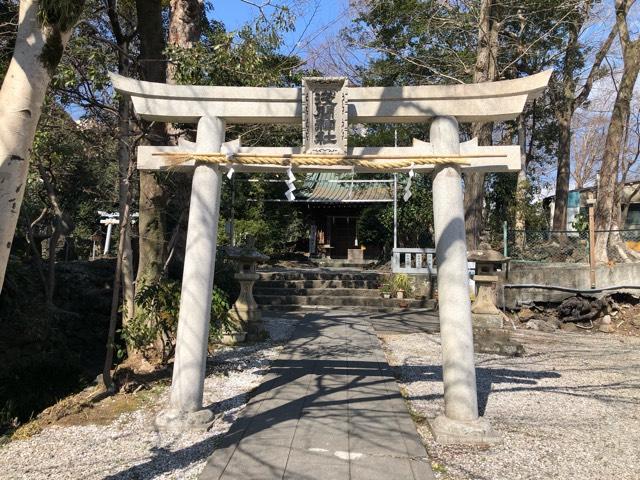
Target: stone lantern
245 314
488 262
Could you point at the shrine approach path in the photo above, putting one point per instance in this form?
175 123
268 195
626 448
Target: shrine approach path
329 408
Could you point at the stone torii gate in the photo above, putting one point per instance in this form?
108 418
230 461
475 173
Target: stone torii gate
325 106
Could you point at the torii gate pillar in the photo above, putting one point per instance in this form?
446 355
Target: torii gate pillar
187 385
460 422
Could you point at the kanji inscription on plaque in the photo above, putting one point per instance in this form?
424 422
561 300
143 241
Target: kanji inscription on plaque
324 115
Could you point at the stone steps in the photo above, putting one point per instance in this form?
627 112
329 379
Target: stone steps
315 292
344 263
318 284
337 301
361 308
313 274
327 289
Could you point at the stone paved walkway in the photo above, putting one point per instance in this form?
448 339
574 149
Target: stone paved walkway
329 409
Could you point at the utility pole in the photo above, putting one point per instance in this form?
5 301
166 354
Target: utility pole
591 202
395 197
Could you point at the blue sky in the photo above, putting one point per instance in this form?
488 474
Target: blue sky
316 20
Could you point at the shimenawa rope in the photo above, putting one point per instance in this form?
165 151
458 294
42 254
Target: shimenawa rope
366 161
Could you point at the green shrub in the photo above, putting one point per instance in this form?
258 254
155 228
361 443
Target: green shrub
220 321
387 285
398 281
156 318
401 281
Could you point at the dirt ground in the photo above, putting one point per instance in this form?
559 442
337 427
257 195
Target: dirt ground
624 316
627 322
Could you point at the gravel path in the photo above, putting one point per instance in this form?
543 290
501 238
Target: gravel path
130 448
568 409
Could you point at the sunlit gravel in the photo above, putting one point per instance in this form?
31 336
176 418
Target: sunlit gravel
569 409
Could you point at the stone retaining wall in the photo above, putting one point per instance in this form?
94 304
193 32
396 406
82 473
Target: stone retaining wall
571 275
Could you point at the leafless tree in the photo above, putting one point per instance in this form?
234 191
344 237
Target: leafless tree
608 213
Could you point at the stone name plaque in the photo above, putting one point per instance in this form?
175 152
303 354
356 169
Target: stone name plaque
324 115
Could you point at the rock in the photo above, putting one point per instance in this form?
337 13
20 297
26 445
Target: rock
574 307
555 321
525 315
569 327
581 309
606 320
606 328
497 341
635 321
541 325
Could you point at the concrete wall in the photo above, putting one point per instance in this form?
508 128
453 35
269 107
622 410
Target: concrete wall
572 275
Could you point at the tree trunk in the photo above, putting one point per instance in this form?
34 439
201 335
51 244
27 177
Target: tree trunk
474 190
522 182
563 173
607 202
37 53
473 206
126 166
124 197
617 246
185 30
115 296
568 104
185 27
153 198
62 226
564 113
485 71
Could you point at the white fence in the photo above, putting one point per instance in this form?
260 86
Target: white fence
418 261
413 260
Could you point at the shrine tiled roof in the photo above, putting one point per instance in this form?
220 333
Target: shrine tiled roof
341 188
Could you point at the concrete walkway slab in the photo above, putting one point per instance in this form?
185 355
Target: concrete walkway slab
409 321
328 409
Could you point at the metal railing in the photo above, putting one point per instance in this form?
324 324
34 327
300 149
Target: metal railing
551 246
547 246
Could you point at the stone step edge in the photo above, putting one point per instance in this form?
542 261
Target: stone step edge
362 304
290 307
370 284
316 292
342 297
320 276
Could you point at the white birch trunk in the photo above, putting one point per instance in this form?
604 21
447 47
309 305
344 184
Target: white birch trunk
21 99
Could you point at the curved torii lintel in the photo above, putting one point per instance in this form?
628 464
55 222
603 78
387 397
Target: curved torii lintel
474 102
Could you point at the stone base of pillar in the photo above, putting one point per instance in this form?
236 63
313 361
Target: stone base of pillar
172 420
474 432
487 320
